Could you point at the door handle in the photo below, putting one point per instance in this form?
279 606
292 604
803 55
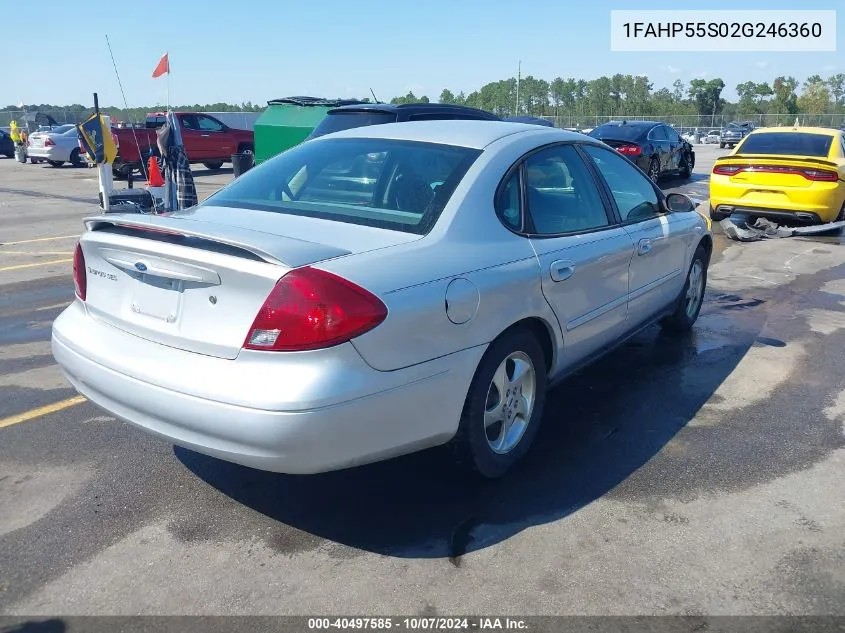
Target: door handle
644 247
562 270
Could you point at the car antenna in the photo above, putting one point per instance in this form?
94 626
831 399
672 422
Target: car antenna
374 95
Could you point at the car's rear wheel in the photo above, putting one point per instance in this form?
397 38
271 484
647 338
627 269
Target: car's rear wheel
504 405
717 216
217 164
56 163
721 146
654 170
75 158
689 302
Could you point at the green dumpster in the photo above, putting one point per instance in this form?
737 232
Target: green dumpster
287 122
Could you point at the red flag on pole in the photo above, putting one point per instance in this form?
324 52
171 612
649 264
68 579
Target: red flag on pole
163 67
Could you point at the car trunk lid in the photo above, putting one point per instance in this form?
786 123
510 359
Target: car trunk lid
195 285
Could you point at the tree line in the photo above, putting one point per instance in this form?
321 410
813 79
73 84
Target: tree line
616 96
634 95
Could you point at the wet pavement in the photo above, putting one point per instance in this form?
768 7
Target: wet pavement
693 475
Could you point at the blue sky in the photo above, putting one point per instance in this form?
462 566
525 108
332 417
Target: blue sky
254 50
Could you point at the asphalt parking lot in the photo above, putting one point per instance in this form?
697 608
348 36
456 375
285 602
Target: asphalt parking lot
688 476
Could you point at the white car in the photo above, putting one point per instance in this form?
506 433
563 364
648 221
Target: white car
378 291
57 147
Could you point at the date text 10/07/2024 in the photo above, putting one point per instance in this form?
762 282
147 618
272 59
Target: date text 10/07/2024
722 29
418 624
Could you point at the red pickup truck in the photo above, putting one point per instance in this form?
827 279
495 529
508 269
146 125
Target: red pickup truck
207 141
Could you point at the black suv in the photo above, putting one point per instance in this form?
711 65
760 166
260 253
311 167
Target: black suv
352 116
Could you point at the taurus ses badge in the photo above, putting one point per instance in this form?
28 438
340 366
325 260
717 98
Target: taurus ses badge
141 266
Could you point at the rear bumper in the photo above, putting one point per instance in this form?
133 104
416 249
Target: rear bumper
779 215
330 411
48 153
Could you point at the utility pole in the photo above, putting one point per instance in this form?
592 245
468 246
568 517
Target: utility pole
518 79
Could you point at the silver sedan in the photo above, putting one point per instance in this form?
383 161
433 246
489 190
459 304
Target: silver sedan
379 291
57 147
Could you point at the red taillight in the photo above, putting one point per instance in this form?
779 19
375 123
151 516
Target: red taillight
48 142
630 150
80 279
810 173
726 170
313 309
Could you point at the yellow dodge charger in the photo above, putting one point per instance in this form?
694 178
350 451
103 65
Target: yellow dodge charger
782 173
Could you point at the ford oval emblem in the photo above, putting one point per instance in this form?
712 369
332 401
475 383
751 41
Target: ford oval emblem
141 266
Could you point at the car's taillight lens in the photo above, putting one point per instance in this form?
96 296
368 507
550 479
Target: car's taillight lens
80 279
630 150
313 309
48 142
726 170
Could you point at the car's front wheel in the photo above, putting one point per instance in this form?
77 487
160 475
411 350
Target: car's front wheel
686 165
689 302
504 405
721 146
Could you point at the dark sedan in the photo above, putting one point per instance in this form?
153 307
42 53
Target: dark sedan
7 146
654 147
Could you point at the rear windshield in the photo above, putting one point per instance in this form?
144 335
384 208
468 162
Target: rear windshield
620 132
397 185
789 143
338 121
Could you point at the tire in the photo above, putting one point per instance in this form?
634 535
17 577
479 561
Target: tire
653 170
686 170
721 146
56 163
246 148
841 216
472 446
215 165
688 304
33 161
75 158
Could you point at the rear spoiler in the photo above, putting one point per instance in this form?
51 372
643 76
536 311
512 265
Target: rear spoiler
267 247
777 157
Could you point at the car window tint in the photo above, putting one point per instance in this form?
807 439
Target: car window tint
632 191
189 122
657 134
207 124
671 134
384 183
509 202
786 143
562 196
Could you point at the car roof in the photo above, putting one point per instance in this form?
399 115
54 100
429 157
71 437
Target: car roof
633 123
411 108
463 133
797 130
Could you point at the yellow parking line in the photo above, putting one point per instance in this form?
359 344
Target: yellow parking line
40 239
37 413
20 266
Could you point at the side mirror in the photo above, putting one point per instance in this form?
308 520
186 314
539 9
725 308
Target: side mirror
681 203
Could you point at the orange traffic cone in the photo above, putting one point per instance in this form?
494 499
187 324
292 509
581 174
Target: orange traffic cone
154 174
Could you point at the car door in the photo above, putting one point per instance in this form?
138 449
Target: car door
583 252
192 137
215 139
657 137
660 238
676 148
